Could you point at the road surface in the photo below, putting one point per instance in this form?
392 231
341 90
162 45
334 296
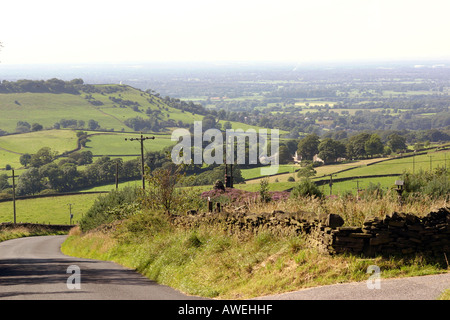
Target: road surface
34 268
412 288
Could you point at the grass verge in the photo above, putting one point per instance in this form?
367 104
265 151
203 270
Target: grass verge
445 295
21 232
207 262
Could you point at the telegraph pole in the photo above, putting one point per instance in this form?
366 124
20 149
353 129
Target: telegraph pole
117 175
141 140
331 184
14 195
70 213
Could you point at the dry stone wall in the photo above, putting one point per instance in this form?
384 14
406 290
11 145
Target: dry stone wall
398 233
43 227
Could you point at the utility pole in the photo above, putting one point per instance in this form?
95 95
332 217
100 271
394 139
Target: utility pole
331 184
141 140
445 161
117 175
14 195
357 187
70 213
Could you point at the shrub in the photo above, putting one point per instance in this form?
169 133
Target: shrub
264 194
434 184
306 188
117 204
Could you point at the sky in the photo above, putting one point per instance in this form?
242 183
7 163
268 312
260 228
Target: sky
110 31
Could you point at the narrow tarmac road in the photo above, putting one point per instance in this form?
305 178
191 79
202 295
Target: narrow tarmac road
413 288
35 269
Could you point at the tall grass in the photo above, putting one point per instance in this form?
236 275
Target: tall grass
208 262
21 232
354 210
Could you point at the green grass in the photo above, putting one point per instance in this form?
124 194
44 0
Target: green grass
352 186
398 166
112 186
208 262
49 210
9 158
57 140
47 109
445 295
115 144
15 145
256 172
21 232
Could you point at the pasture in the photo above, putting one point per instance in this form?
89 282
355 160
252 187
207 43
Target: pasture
48 210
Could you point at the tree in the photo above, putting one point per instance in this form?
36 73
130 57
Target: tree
397 142
23 126
209 122
356 145
330 150
374 145
4 182
264 194
309 146
36 127
306 188
306 172
163 194
227 125
43 156
30 182
25 159
93 125
284 155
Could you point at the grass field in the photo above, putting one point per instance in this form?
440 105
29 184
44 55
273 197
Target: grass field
47 108
57 140
49 210
115 144
398 166
256 172
11 147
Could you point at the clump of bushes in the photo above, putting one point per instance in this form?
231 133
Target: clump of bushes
435 183
306 188
118 204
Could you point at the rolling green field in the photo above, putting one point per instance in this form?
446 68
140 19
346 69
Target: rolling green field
11 147
115 144
49 210
47 108
398 166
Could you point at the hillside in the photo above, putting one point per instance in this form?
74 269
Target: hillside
36 114
109 105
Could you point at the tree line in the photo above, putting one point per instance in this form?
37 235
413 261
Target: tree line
359 146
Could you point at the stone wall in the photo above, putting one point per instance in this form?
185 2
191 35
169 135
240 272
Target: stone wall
397 233
34 226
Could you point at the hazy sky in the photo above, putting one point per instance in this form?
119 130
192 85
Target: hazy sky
55 31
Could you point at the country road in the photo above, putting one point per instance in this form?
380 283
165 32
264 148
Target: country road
35 269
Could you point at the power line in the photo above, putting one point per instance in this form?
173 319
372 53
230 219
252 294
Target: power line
141 140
